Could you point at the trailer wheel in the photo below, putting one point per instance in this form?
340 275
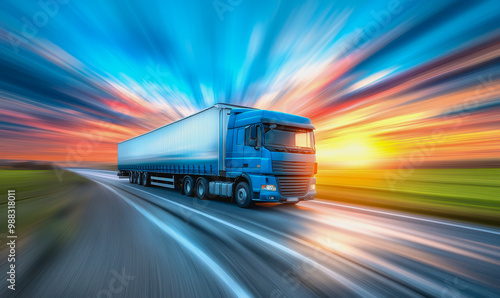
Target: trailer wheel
145 179
188 186
202 188
139 178
130 177
134 177
243 195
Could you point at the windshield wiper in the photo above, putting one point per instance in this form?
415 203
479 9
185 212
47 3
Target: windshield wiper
276 147
293 149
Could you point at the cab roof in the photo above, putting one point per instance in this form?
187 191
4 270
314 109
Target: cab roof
246 117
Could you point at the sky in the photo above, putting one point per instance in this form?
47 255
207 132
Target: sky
384 82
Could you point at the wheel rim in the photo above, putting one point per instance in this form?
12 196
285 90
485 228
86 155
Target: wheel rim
188 186
242 195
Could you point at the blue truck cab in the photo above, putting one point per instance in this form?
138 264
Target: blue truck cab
275 152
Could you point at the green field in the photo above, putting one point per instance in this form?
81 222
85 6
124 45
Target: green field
42 200
464 194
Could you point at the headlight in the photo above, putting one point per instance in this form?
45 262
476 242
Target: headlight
269 187
312 187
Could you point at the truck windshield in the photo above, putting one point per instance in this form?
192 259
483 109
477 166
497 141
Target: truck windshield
282 138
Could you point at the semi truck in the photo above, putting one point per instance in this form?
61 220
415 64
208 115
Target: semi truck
248 155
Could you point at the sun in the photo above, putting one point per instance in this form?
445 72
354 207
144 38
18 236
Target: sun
349 151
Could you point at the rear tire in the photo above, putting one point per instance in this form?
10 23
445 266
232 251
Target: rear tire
130 177
202 188
188 186
135 177
243 195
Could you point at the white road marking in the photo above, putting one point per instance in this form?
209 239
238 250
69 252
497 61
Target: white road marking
231 284
408 216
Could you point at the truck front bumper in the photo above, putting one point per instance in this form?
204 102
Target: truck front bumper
268 196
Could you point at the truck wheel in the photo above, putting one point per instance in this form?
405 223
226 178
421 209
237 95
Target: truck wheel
188 186
202 188
130 177
243 195
145 179
134 177
139 178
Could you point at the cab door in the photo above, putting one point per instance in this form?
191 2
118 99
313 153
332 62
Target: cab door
252 149
234 159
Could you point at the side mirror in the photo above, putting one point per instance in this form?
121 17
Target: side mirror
253 132
252 136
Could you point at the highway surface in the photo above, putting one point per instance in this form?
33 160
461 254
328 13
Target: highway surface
135 241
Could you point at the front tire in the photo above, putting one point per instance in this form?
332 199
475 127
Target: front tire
202 188
243 195
188 186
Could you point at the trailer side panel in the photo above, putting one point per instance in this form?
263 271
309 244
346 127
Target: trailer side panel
192 145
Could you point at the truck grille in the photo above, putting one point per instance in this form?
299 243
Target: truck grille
293 186
293 167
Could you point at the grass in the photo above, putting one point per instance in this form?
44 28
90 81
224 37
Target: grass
464 194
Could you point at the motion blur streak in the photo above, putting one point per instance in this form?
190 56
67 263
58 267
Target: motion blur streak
378 78
284 249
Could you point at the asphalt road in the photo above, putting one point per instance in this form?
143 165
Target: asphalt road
135 241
